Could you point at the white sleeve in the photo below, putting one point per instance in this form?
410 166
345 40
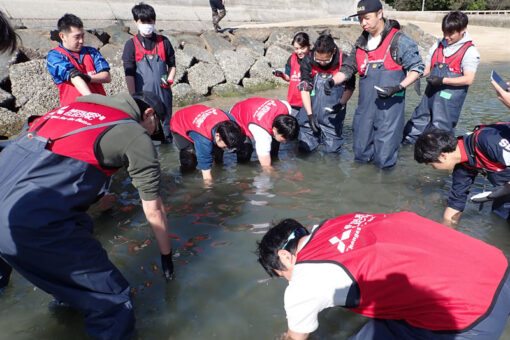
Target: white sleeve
471 59
262 140
428 58
314 287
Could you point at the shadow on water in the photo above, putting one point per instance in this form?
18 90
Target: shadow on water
220 291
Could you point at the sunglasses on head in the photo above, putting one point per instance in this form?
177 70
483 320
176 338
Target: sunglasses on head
296 234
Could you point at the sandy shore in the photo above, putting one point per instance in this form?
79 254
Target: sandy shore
493 43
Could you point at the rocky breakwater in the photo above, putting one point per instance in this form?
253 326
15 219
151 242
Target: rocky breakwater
209 63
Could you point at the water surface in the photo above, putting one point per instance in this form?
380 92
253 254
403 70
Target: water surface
220 291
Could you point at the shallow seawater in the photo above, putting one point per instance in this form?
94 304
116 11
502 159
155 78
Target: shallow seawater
220 291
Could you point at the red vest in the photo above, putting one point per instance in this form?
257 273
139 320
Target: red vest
82 145
69 93
197 118
378 55
454 61
258 111
482 162
140 51
316 69
407 267
294 95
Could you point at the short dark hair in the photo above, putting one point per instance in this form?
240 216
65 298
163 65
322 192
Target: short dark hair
65 23
188 160
230 133
142 106
143 12
8 38
325 44
432 143
302 39
455 21
287 126
273 240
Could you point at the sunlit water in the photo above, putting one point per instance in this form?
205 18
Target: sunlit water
220 291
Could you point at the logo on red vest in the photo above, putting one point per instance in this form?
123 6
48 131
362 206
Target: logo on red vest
263 109
351 232
79 116
202 116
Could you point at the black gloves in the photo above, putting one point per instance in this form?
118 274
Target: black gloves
435 81
304 86
314 124
388 91
328 86
503 190
278 73
77 73
167 266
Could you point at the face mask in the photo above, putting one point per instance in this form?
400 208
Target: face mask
146 29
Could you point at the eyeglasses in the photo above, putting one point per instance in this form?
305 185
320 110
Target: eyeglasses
322 61
296 234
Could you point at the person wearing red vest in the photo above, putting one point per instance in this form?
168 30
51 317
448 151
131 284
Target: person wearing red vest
201 133
77 70
387 61
149 62
50 176
485 151
452 65
416 279
324 104
301 45
267 122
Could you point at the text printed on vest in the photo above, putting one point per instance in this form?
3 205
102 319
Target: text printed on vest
359 221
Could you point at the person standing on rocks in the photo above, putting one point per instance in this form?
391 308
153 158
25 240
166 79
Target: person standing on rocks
321 118
218 12
452 65
387 61
149 61
301 44
77 70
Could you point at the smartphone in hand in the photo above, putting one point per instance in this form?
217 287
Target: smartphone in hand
499 80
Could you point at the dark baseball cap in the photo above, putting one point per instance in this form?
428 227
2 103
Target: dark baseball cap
153 100
367 6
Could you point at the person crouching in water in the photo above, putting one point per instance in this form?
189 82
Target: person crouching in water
322 116
201 133
301 44
268 123
452 65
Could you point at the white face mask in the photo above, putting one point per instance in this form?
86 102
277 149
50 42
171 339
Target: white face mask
146 29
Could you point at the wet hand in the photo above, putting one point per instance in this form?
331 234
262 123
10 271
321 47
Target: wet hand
435 81
167 266
314 124
388 91
328 86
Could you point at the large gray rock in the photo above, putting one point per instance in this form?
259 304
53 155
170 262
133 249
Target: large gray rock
282 37
189 39
113 54
345 32
215 42
228 90
277 56
28 79
184 95
118 83
199 53
36 43
43 101
92 41
260 34
261 70
203 76
257 84
173 40
312 35
6 60
255 45
234 65
248 52
10 122
118 34
182 62
344 45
